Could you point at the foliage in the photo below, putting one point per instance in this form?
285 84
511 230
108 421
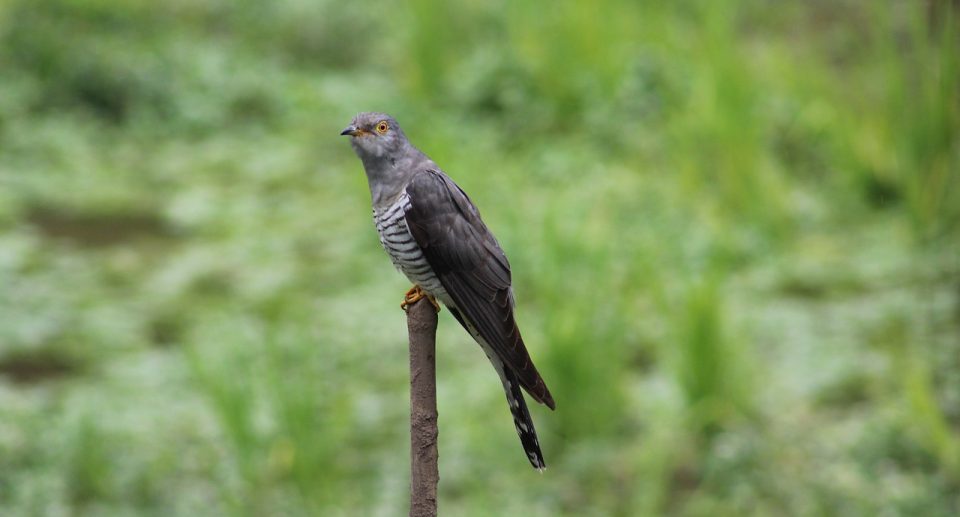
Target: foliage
734 231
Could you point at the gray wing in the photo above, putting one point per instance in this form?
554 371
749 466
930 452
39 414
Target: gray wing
473 270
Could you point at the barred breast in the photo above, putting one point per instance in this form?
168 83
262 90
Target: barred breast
403 250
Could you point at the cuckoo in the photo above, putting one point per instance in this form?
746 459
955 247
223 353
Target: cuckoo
434 235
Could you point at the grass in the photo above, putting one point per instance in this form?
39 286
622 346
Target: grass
733 229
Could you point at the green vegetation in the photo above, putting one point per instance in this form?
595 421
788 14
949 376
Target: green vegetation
734 229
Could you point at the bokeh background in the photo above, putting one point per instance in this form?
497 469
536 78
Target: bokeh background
733 227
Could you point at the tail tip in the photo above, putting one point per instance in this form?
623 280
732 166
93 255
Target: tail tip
536 460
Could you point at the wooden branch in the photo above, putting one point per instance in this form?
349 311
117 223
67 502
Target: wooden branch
424 475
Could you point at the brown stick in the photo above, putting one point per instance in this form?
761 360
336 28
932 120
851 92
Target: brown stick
424 475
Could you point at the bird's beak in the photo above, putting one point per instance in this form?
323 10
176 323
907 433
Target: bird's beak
350 130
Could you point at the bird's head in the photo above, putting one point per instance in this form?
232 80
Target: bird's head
375 135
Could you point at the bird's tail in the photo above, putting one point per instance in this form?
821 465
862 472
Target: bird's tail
522 420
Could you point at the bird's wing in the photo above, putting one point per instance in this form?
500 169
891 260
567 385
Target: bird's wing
473 270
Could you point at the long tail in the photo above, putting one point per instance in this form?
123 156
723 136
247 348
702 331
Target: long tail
522 420
518 406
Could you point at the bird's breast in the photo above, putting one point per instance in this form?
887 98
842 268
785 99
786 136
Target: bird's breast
403 249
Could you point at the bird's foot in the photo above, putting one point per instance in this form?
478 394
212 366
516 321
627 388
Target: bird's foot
414 295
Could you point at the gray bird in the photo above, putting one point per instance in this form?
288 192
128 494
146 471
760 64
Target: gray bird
434 235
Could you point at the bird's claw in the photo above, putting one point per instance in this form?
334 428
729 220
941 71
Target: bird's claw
414 295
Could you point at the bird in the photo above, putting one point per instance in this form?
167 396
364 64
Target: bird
434 235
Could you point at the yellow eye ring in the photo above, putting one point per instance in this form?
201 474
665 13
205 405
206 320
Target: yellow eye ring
382 127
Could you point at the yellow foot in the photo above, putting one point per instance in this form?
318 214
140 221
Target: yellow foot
414 295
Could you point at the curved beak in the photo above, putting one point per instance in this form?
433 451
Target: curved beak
350 130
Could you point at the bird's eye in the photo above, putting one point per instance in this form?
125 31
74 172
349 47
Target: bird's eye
382 127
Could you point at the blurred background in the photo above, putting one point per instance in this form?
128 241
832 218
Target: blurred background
733 226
